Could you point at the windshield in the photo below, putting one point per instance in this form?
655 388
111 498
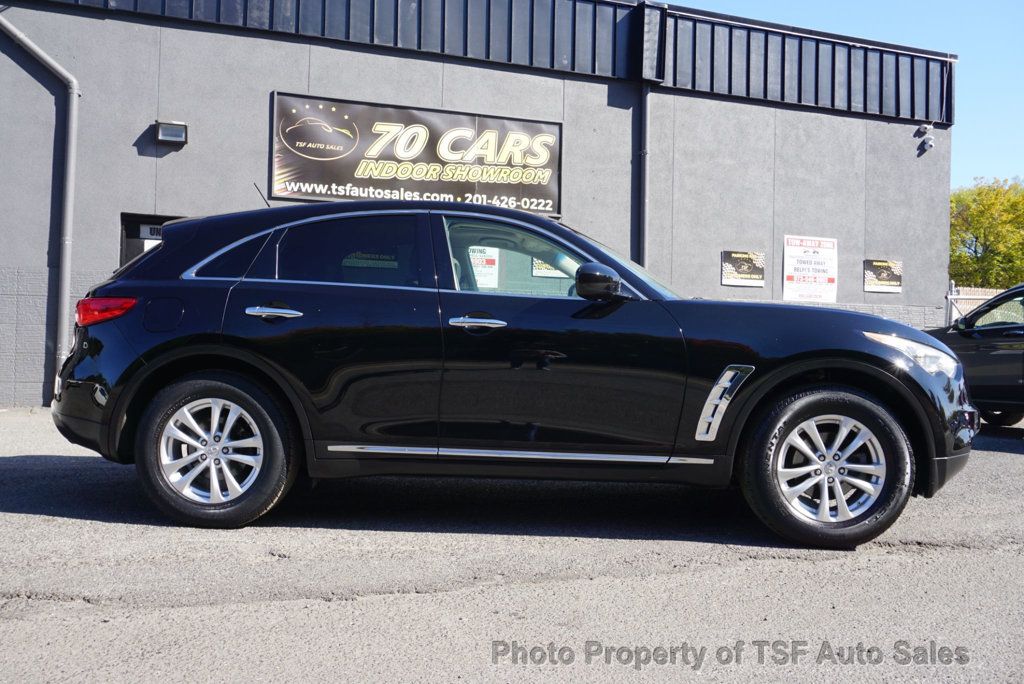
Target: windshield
636 269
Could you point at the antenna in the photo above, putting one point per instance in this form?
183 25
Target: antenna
262 197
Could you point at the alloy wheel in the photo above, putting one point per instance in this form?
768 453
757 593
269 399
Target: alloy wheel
831 469
211 451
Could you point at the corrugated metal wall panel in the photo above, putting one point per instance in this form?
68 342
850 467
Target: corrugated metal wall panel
725 57
673 47
543 30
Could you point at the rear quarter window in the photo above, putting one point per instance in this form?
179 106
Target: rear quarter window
234 262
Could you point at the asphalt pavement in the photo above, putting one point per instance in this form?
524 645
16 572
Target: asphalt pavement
403 579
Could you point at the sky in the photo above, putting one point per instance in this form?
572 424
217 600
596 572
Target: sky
986 35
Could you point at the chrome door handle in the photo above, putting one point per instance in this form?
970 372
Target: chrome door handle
466 322
272 312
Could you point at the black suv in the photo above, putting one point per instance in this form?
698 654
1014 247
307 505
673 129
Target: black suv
990 343
373 338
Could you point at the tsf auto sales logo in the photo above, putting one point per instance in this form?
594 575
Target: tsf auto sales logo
318 131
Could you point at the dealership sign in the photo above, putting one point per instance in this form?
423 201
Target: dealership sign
328 149
743 269
883 275
810 269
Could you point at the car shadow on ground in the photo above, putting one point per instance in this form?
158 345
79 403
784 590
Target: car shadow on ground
89 488
1008 440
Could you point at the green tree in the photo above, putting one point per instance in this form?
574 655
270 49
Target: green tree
986 234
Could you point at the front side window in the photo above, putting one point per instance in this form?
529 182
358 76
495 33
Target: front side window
1010 312
363 250
505 259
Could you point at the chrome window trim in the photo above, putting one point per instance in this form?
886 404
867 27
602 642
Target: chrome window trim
328 283
561 298
528 226
718 400
190 273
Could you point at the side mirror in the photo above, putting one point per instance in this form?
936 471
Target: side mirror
598 283
962 324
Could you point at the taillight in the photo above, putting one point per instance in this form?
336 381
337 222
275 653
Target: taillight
93 310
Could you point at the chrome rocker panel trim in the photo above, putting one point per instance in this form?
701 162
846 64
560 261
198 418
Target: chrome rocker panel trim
400 451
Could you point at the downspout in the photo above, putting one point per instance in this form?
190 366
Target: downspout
645 127
68 189
651 71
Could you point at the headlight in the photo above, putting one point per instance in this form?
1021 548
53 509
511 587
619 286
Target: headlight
925 356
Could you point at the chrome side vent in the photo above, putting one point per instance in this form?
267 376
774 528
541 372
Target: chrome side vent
718 400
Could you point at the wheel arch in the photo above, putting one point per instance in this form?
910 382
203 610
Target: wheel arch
895 395
157 373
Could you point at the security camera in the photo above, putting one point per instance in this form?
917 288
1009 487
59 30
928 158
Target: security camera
924 128
928 142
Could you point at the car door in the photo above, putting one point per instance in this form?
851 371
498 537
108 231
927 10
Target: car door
346 308
990 343
533 371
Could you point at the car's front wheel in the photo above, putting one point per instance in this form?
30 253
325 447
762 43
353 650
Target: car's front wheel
828 466
215 450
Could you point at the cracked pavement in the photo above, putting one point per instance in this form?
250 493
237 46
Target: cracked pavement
413 579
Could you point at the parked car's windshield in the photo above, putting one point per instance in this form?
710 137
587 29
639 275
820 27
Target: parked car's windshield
636 269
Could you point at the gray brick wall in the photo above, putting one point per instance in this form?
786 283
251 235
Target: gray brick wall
27 350
913 315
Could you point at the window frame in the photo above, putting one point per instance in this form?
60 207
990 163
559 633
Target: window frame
443 255
277 233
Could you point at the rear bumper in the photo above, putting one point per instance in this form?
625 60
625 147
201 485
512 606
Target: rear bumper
80 431
84 394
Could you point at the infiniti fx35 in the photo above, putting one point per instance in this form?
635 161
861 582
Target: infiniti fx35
357 339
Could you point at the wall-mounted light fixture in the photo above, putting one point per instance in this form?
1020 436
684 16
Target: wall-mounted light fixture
172 132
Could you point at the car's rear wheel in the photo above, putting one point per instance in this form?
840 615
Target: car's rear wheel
215 450
828 466
1001 418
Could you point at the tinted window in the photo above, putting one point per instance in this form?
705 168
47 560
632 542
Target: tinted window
505 259
366 250
1010 312
234 262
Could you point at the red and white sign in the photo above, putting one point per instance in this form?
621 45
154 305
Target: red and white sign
810 269
485 266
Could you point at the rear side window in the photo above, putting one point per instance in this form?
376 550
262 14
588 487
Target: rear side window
364 250
234 262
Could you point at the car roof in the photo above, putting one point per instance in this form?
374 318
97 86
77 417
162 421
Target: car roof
285 214
186 241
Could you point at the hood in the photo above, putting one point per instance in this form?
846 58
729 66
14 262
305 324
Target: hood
786 329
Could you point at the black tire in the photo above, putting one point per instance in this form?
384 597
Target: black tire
1001 418
276 475
765 447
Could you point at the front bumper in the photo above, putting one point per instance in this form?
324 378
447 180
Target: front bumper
962 427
